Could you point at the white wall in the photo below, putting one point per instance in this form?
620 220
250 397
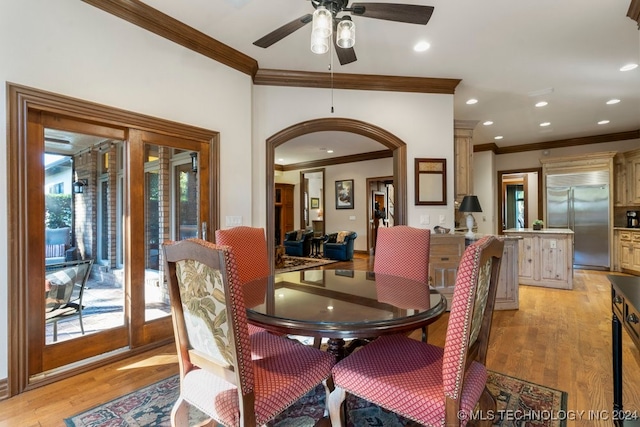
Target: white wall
423 121
74 49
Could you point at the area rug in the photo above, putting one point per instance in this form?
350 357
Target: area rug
151 406
294 263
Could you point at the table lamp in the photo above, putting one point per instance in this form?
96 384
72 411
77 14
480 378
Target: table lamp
470 204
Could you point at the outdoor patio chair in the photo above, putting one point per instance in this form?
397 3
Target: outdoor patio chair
64 288
236 378
431 385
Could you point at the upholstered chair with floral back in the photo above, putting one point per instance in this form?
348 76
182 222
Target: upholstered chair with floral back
236 378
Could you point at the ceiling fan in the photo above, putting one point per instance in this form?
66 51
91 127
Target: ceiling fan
327 11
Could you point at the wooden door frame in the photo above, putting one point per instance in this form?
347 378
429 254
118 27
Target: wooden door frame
376 133
22 101
370 181
302 173
500 196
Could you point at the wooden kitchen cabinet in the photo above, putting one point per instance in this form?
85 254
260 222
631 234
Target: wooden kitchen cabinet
633 177
627 178
445 253
628 251
620 180
546 257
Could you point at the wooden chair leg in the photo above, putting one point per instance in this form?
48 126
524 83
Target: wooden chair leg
487 405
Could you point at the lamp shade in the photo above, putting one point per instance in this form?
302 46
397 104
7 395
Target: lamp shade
346 33
322 25
470 204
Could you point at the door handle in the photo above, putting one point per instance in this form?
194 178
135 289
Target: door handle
204 230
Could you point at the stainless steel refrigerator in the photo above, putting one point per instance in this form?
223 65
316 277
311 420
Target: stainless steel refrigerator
580 202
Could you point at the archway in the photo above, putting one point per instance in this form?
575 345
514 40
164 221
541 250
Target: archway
368 130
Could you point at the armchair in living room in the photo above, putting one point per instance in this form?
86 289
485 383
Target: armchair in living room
339 246
58 246
298 242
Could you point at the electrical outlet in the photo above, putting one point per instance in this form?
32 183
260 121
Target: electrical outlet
553 244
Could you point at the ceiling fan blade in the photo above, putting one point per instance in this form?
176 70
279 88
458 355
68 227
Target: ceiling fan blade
346 55
282 32
409 13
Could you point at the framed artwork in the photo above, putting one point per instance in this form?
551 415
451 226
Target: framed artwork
344 194
431 181
315 203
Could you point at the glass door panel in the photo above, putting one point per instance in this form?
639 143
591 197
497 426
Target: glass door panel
171 213
83 298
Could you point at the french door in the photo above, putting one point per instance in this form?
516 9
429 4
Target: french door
116 194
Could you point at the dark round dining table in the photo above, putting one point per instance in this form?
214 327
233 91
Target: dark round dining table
341 304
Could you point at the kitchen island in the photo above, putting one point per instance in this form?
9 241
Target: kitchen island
545 257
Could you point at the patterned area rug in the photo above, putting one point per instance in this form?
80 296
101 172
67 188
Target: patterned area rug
294 263
151 406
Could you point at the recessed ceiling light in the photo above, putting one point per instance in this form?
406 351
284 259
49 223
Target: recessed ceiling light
488 123
329 151
542 104
545 124
498 137
612 101
629 67
472 101
421 46
281 160
603 122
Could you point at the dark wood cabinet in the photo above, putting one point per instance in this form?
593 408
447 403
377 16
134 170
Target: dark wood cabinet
284 210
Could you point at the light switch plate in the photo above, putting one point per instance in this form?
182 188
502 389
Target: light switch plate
352 218
443 219
424 220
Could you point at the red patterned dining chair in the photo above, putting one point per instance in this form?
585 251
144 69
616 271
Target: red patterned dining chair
250 251
404 251
431 385
236 378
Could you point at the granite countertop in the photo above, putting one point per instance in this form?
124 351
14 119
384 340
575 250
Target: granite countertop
627 228
543 231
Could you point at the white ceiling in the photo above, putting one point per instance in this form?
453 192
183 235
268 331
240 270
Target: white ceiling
508 53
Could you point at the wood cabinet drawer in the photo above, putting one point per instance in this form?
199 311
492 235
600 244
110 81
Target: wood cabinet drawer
632 321
617 303
625 235
635 237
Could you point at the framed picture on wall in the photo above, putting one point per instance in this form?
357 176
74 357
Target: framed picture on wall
315 203
344 194
431 181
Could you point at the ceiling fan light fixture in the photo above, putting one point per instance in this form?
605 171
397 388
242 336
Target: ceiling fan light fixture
346 33
319 45
322 23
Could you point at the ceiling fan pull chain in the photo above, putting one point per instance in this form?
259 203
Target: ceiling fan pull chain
331 70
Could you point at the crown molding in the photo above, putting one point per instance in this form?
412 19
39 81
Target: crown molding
634 11
571 142
138 13
269 77
312 164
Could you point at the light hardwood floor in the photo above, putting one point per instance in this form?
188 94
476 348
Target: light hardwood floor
558 338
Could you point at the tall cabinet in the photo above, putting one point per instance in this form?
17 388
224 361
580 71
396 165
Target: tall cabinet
284 211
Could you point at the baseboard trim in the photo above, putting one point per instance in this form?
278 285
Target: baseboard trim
4 388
